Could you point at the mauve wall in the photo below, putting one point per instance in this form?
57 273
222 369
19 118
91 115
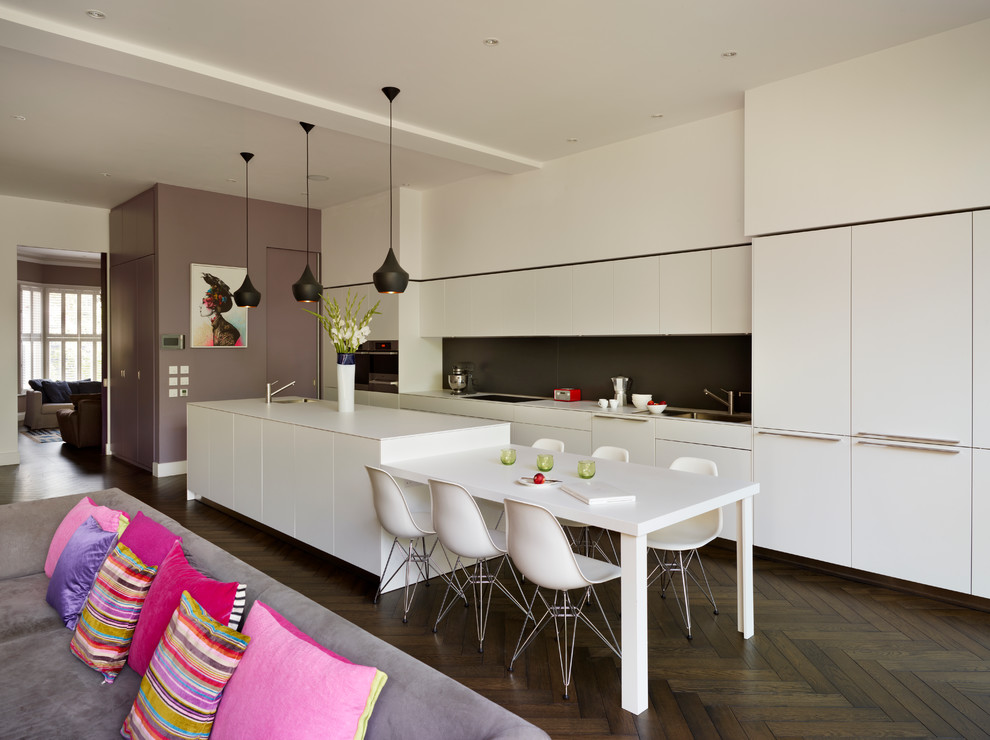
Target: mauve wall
35 272
195 226
675 369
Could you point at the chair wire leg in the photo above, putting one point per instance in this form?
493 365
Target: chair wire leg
522 644
382 583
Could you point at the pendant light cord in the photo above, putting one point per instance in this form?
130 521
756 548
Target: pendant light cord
307 199
390 173
247 229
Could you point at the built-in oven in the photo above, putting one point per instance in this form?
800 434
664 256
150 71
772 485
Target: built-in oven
376 366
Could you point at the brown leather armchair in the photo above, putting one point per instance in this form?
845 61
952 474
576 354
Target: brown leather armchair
82 426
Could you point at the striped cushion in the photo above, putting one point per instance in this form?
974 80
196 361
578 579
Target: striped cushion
181 689
103 634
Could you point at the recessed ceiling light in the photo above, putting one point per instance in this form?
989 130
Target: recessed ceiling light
491 41
729 54
231 179
18 118
318 178
572 140
657 115
105 174
98 15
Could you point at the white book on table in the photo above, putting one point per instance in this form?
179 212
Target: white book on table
597 492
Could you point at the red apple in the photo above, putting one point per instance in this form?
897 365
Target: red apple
651 402
539 478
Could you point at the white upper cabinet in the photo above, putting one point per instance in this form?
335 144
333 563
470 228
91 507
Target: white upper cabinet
431 309
732 290
981 329
553 313
457 307
912 339
519 311
801 331
488 300
592 298
686 293
385 326
636 296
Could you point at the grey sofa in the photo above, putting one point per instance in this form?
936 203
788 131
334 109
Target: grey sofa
41 415
46 692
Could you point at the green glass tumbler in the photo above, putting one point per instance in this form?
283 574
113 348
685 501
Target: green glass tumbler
586 469
544 462
507 456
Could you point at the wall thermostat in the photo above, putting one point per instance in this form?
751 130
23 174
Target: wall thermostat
173 341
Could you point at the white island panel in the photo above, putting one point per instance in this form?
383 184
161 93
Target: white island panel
314 466
248 466
278 501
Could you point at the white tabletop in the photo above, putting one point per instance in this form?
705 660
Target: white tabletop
663 496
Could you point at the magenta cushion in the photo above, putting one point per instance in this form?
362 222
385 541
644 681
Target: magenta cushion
76 570
175 575
148 540
109 519
288 686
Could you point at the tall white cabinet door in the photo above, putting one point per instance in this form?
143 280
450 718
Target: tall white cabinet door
197 444
358 538
804 502
222 458
981 523
912 512
636 296
314 487
457 307
386 325
431 309
686 293
981 329
248 466
488 299
520 294
801 331
593 297
278 451
912 340
553 300
732 290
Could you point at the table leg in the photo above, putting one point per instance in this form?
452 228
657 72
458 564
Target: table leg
634 642
744 566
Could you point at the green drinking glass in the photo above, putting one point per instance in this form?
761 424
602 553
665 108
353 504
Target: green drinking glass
586 469
507 456
544 462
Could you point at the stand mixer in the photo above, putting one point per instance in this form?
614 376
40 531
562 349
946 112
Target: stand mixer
460 380
621 385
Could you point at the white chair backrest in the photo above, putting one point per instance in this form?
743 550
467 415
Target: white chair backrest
612 453
698 465
539 548
458 521
549 444
391 505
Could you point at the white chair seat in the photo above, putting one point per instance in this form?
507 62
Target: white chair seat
595 571
687 535
423 520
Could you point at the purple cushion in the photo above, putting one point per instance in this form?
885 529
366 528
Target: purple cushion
111 520
82 557
35 385
148 539
55 391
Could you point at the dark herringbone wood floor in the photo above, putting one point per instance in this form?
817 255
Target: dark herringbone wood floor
831 657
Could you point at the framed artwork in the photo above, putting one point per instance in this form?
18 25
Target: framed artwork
215 320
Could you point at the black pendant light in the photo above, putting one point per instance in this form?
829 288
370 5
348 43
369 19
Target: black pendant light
390 277
247 296
306 289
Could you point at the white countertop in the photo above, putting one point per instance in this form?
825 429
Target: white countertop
371 422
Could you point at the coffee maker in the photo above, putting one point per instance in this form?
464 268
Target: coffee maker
621 386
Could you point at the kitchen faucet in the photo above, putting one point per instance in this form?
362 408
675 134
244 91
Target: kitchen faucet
271 393
728 402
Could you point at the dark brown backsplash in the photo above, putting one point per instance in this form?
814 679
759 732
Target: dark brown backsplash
675 369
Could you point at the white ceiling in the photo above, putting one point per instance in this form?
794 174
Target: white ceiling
172 92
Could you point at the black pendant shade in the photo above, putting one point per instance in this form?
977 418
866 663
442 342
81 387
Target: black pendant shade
247 296
390 277
306 289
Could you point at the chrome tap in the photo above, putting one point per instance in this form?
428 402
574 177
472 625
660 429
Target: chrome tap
729 401
271 393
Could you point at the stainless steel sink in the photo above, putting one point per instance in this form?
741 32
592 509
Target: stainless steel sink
295 400
701 414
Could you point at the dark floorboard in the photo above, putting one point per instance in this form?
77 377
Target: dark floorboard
830 658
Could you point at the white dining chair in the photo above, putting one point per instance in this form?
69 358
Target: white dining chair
540 550
545 443
406 526
462 531
587 540
685 537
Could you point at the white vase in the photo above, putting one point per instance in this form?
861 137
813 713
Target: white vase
345 382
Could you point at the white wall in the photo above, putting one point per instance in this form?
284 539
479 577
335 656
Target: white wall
34 223
673 190
896 133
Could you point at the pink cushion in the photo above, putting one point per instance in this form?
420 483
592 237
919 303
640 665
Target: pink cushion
109 520
148 540
288 686
175 575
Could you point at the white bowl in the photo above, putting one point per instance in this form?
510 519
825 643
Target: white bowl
657 408
639 400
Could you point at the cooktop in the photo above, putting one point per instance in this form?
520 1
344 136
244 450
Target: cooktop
505 399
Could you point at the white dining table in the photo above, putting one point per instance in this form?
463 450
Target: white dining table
663 497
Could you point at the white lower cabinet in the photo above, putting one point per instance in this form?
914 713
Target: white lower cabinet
577 441
981 523
634 434
313 481
912 512
804 505
248 466
197 440
279 501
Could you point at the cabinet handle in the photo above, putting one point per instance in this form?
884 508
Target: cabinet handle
812 437
905 438
908 447
622 418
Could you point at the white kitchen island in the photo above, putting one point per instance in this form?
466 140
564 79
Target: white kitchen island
298 467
